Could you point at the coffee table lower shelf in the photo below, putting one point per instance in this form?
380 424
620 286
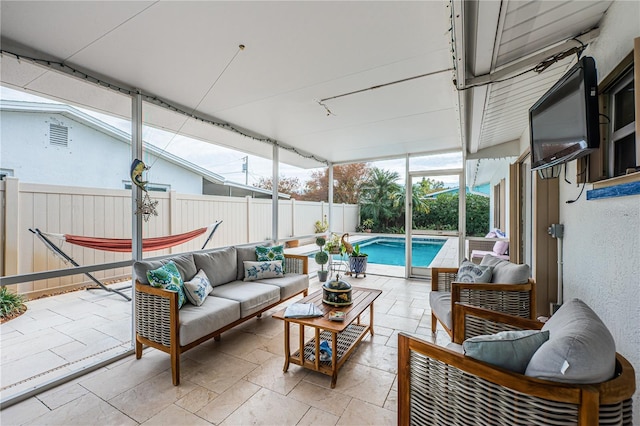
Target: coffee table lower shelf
347 341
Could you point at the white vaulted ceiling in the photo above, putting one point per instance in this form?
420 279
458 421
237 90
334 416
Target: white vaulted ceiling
384 69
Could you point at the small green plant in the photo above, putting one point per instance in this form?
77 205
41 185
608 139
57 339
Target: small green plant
10 303
321 226
367 224
357 252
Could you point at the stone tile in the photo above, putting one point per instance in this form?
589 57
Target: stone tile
377 356
77 350
392 401
402 309
318 417
362 382
228 402
270 375
327 400
264 407
397 323
127 375
197 399
23 412
29 365
218 373
61 395
38 341
151 396
174 415
362 413
87 323
86 410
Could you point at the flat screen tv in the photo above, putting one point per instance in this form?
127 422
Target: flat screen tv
564 122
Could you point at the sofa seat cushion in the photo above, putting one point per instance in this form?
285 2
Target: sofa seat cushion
220 265
505 272
251 295
440 302
478 255
580 348
289 285
184 262
213 314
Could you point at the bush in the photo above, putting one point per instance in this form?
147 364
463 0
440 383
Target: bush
10 303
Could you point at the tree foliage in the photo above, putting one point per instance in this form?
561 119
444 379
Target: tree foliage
286 185
378 198
347 181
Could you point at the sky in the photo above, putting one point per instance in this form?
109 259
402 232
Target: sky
229 163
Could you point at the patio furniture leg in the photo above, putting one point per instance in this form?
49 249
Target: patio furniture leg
175 366
434 323
138 349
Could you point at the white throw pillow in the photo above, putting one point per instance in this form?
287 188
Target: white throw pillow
261 270
198 288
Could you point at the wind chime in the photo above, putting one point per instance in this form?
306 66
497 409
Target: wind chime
146 207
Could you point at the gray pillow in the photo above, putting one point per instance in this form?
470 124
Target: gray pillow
580 347
469 272
505 272
247 253
184 262
220 265
511 350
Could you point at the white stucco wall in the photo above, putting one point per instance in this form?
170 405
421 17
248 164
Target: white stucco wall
602 237
91 159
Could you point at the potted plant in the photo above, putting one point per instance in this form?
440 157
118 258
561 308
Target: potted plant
321 226
367 224
321 259
333 245
358 261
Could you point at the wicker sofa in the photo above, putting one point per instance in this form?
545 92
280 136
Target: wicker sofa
510 291
234 299
443 386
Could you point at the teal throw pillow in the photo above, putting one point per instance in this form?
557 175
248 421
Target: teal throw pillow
269 254
168 277
511 350
198 288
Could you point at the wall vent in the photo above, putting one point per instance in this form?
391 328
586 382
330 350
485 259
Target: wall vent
58 135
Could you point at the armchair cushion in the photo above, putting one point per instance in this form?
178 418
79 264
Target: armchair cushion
469 272
219 265
580 348
440 302
505 272
511 350
501 247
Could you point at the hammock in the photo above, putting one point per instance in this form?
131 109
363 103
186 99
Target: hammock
118 245
123 245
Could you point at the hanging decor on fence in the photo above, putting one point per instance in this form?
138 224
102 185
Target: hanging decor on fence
146 207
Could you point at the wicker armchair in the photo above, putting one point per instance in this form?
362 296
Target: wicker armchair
439 386
514 299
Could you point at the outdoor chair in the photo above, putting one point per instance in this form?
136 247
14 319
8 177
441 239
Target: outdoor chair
510 291
443 386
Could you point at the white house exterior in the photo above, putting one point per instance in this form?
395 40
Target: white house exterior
58 144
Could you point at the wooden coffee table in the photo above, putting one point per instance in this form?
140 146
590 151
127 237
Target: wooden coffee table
343 336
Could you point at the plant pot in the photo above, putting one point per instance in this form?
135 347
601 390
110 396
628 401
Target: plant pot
368 231
358 265
322 276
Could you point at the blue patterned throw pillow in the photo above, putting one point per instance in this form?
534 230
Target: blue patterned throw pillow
269 254
168 277
198 288
261 270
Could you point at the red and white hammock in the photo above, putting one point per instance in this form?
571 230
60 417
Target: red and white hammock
123 245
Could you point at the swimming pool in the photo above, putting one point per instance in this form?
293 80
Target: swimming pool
391 251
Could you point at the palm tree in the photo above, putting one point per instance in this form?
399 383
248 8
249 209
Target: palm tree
418 202
377 197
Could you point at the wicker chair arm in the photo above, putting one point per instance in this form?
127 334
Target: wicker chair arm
441 278
156 314
474 321
297 264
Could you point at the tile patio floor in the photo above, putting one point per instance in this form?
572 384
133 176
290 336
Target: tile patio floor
236 381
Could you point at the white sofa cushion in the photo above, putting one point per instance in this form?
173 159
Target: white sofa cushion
505 272
289 285
213 314
219 265
580 348
251 295
247 252
198 288
262 270
440 302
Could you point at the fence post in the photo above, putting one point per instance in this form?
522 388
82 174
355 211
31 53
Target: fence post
248 224
173 219
11 225
293 217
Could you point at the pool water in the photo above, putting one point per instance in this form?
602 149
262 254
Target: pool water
390 251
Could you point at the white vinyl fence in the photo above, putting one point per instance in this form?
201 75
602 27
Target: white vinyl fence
96 212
